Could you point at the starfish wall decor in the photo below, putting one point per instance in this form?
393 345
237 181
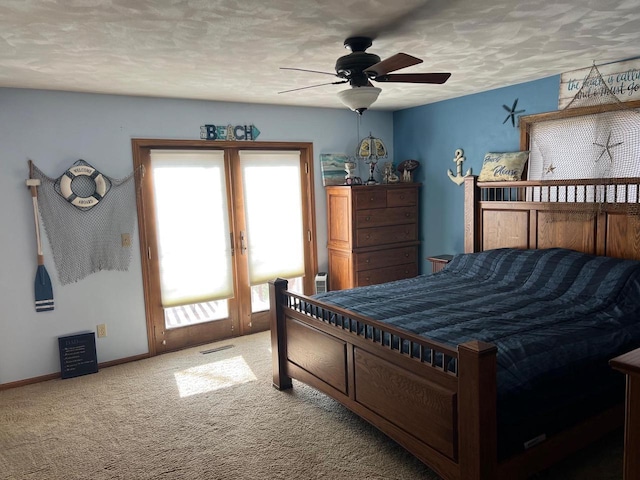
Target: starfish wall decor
606 148
512 113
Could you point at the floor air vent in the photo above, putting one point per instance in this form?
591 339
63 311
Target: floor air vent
213 350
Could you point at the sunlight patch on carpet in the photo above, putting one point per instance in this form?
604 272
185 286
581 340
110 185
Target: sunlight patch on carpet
213 376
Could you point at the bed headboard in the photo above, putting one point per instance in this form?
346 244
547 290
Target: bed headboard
558 213
504 214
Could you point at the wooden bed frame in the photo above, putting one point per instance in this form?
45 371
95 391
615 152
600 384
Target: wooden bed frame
447 418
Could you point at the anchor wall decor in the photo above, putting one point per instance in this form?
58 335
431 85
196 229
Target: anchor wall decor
458 178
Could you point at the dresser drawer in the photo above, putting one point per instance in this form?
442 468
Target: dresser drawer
370 237
386 258
386 216
387 274
369 198
400 197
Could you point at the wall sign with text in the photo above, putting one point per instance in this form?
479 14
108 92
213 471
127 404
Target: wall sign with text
622 78
229 132
78 354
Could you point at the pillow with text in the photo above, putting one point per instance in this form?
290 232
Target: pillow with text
501 167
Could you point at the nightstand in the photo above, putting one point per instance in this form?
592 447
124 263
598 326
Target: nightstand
438 262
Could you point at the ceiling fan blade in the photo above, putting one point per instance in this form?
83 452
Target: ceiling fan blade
314 86
310 71
391 64
438 78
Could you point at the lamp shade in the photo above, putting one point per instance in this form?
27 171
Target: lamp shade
371 148
359 99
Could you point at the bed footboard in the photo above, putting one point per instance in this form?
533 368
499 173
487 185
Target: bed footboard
436 401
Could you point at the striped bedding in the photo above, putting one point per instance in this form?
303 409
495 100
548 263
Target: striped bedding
556 316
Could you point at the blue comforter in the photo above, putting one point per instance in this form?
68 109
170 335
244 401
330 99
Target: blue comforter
556 316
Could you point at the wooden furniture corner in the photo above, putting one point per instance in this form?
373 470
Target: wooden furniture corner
438 262
629 364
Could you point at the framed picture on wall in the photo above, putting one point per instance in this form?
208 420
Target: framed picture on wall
332 166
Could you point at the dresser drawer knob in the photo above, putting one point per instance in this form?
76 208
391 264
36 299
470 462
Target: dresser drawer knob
406 271
371 199
401 197
367 236
407 214
368 260
406 255
367 218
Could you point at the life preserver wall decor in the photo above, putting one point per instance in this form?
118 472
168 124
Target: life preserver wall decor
82 185
86 214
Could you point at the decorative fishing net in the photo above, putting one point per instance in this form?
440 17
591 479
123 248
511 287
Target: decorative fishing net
602 143
89 219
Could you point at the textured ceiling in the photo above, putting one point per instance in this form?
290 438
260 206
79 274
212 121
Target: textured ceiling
231 50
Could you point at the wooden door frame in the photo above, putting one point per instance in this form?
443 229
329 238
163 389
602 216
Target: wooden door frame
140 150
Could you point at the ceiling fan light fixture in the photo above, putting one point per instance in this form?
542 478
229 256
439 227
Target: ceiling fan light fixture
359 99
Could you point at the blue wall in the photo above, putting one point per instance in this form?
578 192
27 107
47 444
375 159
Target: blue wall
431 134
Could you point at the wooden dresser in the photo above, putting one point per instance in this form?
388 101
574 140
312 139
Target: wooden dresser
373 234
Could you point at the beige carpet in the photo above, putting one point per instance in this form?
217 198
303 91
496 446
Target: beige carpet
186 415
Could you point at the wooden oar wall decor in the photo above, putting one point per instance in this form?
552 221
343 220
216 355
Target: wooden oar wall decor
42 285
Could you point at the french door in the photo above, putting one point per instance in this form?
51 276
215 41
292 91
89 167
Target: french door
217 221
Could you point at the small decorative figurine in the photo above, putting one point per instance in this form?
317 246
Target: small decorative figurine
406 169
350 168
387 172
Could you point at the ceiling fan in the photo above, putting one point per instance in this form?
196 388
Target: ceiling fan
359 68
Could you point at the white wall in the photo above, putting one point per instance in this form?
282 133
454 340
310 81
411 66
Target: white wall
54 129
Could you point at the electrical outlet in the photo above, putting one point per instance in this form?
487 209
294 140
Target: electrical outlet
126 239
102 330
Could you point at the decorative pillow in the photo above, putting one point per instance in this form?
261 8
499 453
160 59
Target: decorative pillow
500 167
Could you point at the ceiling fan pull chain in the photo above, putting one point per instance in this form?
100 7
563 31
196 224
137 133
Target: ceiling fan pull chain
358 120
